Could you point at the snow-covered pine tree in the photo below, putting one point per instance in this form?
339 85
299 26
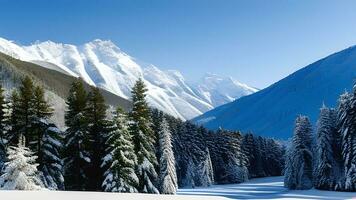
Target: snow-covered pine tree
233 167
274 158
189 175
343 106
31 109
289 170
259 151
178 130
347 118
249 149
4 126
20 172
204 174
157 117
51 164
260 157
120 159
205 171
13 135
77 157
143 139
42 111
327 170
214 149
194 158
299 166
167 175
98 128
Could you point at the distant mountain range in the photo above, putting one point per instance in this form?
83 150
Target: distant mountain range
103 64
272 111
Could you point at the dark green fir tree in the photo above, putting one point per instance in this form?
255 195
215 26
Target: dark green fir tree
77 158
143 139
98 128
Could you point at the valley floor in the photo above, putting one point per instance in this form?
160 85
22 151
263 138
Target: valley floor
265 188
261 188
66 195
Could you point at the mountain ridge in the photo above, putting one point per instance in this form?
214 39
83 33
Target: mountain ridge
103 64
272 111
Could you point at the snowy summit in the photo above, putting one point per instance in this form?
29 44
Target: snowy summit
103 64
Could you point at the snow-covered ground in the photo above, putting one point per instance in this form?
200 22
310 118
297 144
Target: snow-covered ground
264 188
53 195
261 188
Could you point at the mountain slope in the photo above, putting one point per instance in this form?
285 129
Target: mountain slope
218 90
56 84
272 111
103 64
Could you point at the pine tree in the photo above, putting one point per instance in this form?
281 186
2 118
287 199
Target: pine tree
214 149
4 126
51 164
343 106
22 112
233 166
97 129
347 123
42 111
13 135
327 170
168 176
20 171
143 139
178 130
249 149
77 157
121 159
205 172
299 166
260 157
275 158
157 117
290 175
194 159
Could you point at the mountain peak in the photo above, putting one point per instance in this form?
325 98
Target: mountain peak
103 43
103 64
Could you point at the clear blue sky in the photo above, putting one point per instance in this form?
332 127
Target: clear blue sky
256 42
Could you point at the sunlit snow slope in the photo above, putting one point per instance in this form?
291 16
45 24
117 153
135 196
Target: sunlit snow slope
272 111
264 188
103 64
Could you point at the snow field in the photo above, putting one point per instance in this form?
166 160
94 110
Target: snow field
265 188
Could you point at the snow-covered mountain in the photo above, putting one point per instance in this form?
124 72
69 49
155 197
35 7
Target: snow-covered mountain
218 90
105 65
272 111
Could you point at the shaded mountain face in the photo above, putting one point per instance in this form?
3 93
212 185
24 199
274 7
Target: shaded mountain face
56 84
271 112
103 64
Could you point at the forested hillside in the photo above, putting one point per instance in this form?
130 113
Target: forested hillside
142 150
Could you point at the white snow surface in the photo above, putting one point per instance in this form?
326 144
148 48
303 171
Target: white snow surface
105 65
67 195
264 188
261 188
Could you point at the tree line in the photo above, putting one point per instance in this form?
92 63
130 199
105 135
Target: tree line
103 149
325 160
204 157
